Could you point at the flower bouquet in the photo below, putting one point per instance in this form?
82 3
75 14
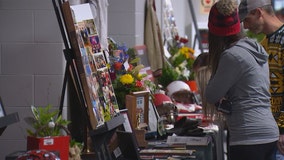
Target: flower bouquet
125 72
179 65
182 58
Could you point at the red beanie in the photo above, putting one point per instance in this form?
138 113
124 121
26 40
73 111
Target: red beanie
223 20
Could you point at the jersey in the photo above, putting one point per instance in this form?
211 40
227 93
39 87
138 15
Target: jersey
274 45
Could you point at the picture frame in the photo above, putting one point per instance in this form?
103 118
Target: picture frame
2 110
6 119
127 127
137 104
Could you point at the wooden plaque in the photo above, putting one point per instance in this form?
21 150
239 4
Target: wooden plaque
137 104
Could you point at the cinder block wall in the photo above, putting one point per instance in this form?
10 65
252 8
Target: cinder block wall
126 21
32 64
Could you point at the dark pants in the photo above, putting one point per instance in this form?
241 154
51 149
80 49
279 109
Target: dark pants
253 152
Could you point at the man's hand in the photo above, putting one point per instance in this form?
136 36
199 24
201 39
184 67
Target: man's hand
280 144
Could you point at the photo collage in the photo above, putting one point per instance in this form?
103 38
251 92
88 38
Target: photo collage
98 79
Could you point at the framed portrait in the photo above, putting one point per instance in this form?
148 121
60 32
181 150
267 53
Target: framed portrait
137 104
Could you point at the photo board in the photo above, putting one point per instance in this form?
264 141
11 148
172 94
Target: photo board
91 63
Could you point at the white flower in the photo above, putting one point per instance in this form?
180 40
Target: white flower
186 72
51 124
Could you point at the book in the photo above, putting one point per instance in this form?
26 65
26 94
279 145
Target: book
165 157
169 146
188 140
167 151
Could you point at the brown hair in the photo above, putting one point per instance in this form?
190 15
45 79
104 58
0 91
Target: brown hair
201 60
202 76
217 45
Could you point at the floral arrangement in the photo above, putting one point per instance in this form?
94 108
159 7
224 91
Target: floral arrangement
182 58
125 71
179 65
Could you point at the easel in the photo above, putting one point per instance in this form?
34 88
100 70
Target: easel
70 71
101 135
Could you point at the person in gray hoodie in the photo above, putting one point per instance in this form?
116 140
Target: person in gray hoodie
239 86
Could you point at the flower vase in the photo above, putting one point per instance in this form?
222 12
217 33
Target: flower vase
192 85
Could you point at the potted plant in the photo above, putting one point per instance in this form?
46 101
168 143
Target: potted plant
47 131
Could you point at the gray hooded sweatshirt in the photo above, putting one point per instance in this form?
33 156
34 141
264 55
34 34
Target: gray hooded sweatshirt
242 77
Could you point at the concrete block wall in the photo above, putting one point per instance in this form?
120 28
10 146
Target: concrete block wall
31 64
126 21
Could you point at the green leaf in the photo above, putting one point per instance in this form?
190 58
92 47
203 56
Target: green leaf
168 75
42 117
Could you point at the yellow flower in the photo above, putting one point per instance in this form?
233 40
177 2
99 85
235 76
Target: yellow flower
108 65
126 79
139 76
183 50
187 52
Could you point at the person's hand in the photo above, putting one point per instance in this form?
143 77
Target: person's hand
280 144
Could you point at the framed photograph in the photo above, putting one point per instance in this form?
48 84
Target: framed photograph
2 110
137 104
126 124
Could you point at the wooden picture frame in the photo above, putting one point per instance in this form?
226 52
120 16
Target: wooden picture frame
137 104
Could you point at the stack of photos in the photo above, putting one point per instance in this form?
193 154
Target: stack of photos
100 88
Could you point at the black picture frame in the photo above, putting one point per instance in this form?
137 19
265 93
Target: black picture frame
127 126
2 109
130 150
5 119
